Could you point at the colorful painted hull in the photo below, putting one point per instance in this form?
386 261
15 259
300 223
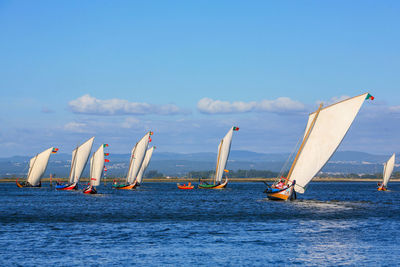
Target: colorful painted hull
213 186
382 188
280 194
185 187
26 184
73 186
90 190
125 186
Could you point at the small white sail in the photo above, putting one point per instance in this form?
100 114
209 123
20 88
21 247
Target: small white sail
80 157
137 157
224 148
145 163
387 172
96 166
326 134
37 166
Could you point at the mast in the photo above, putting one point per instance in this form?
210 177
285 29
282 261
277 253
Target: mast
219 154
31 167
73 163
91 167
303 143
130 163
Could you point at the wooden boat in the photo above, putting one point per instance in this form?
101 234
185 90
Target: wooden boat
80 156
189 186
138 154
37 167
96 170
324 132
68 186
214 186
224 148
387 172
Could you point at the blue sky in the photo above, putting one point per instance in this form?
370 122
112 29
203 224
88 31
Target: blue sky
188 70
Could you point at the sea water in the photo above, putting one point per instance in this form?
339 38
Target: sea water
158 224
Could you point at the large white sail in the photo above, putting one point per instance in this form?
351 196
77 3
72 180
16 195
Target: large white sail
79 159
387 172
224 148
145 163
138 154
37 166
326 134
96 166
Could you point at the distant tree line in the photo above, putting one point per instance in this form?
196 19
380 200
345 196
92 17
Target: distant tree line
270 174
235 174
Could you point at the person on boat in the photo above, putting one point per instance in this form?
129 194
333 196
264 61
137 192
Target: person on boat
280 184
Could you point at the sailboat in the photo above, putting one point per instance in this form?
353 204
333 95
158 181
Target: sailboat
80 156
37 167
324 132
137 157
224 148
145 163
387 172
96 170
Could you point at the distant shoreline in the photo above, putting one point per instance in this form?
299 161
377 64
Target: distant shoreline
184 180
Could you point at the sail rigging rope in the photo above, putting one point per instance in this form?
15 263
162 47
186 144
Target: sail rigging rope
290 158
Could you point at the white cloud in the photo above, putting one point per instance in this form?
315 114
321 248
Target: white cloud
279 105
333 100
394 109
129 122
75 127
87 104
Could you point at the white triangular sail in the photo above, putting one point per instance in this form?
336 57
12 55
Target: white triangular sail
145 163
224 148
37 166
80 156
137 157
96 166
387 172
326 134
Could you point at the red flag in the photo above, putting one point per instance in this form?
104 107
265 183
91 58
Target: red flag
106 160
106 154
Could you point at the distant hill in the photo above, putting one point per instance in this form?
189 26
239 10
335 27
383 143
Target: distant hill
179 164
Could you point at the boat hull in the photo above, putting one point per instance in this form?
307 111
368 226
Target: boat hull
125 186
90 190
210 186
284 194
185 187
67 187
382 188
26 184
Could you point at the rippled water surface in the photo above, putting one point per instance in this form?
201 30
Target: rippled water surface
331 224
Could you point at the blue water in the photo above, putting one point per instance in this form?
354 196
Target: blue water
332 224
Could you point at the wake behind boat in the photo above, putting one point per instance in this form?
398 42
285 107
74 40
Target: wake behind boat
387 172
224 148
324 132
137 157
80 156
37 167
